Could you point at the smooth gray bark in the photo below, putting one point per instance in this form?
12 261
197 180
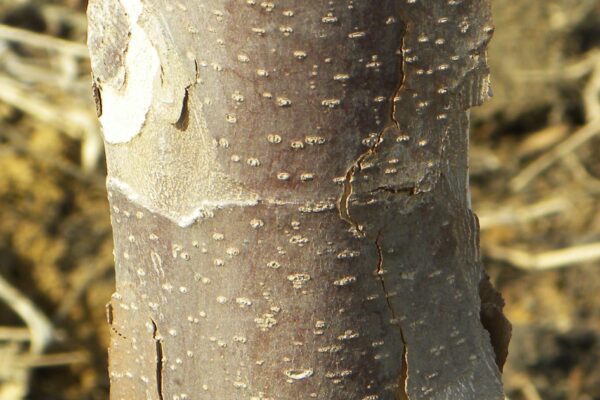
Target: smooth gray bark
288 183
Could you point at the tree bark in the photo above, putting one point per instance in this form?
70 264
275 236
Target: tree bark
288 183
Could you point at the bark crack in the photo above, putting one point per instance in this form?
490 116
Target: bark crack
357 165
184 117
380 272
97 96
411 190
159 360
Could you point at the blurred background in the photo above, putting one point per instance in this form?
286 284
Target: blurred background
535 176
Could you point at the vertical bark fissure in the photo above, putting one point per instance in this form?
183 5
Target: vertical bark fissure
159 360
403 395
356 167
184 117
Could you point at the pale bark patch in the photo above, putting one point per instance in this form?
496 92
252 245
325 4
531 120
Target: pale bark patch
124 111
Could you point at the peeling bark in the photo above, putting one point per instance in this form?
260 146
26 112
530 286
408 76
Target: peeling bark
291 215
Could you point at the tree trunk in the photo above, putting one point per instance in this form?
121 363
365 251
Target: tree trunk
288 183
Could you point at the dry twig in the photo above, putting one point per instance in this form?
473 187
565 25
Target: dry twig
581 136
12 334
41 333
547 260
542 139
513 215
589 182
574 71
23 36
78 122
39 325
53 360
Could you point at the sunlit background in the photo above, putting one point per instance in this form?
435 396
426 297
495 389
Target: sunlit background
535 180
